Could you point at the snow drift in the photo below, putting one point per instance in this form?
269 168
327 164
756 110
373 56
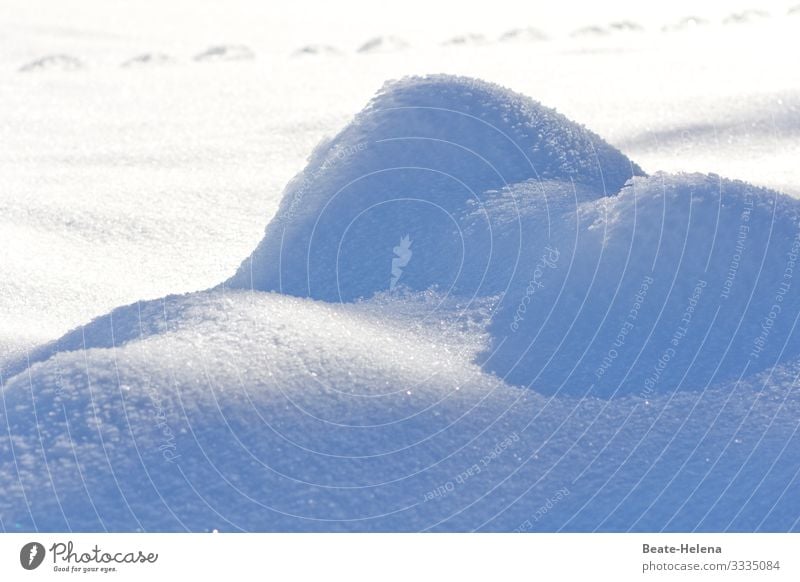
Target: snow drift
421 154
675 283
468 313
460 186
259 411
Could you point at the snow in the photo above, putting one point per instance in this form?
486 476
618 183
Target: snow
713 258
419 154
192 156
262 411
433 349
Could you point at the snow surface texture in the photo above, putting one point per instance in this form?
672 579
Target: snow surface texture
130 180
422 153
468 313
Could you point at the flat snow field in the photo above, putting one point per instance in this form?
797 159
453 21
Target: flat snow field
574 332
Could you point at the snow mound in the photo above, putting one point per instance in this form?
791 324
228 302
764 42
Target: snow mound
228 52
383 44
673 283
53 63
676 283
257 411
380 204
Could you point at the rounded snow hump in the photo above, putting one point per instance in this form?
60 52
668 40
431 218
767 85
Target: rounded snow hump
602 281
424 153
